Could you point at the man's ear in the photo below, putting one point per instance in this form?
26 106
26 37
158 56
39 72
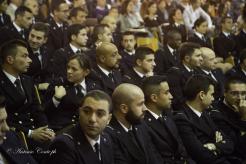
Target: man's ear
153 97
87 71
73 37
124 108
45 39
201 95
10 59
139 62
187 58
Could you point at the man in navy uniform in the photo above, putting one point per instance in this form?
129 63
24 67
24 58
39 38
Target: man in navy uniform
230 114
77 36
159 118
9 141
191 59
132 143
86 143
58 27
204 142
108 60
19 28
22 106
144 63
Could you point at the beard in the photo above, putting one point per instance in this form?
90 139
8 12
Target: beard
133 119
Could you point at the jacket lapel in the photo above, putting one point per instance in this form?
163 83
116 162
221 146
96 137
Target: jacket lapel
126 140
85 149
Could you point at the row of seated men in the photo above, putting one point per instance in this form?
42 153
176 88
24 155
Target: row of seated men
57 37
138 126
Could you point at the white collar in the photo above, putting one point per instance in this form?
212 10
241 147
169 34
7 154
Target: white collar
226 33
195 111
199 35
13 6
130 53
170 49
74 49
93 142
18 28
58 24
243 71
153 114
186 67
83 85
106 72
10 77
125 128
207 72
139 73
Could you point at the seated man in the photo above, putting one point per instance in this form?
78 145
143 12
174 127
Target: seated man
203 141
191 59
158 117
144 63
127 51
107 64
132 143
86 143
10 143
239 70
22 106
230 114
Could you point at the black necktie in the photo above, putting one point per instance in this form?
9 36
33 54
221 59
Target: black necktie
175 55
110 75
133 137
18 86
78 51
79 90
97 150
22 32
39 58
204 39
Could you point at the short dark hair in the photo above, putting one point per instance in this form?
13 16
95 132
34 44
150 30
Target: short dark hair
43 27
55 4
127 33
232 80
187 49
74 11
98 29
242 55
199 21
2 101
151 85
193 1
171 32
225 17
196 84
142 52
10 48
98 95
74 29
83 60
21 11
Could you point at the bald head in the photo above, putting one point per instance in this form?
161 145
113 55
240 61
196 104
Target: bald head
107 56
105 48
208 56
125 94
